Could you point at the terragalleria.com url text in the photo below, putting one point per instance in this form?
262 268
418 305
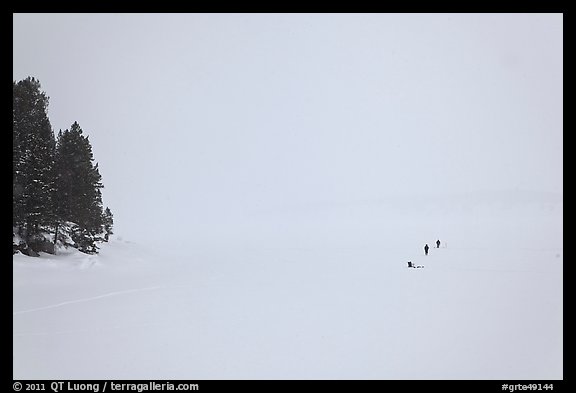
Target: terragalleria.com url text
103 386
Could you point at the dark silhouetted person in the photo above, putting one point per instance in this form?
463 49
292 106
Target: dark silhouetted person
426 249
437 243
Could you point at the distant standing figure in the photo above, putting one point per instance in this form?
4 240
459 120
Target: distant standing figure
438 243
426 249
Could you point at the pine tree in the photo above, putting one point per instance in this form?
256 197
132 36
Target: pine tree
108 220
33 146
78 184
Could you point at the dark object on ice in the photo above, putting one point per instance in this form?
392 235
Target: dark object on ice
42 245
29 251
426 249
410 264
438 243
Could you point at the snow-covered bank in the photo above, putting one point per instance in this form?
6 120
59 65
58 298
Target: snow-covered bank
335 310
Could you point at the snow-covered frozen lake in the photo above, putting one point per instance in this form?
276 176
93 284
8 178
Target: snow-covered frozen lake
487 305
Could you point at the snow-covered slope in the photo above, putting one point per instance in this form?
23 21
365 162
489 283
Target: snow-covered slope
487 305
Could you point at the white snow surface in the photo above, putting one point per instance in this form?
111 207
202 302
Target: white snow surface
327 295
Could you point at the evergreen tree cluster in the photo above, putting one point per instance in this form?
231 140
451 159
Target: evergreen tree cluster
56 197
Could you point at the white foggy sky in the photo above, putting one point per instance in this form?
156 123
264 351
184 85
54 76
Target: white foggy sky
205 115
